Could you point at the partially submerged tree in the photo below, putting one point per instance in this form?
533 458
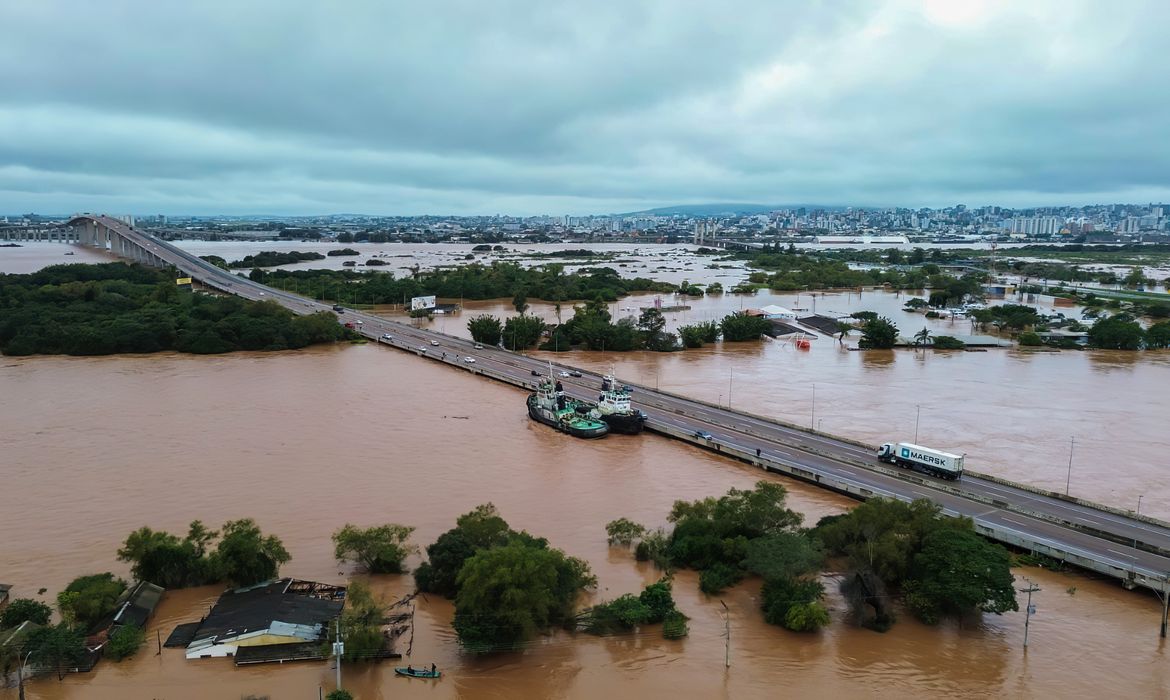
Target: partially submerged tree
87 599
509 593
379 550
246 556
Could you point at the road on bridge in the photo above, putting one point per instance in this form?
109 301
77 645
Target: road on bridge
1060 524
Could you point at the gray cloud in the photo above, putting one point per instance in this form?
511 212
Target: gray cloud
517 107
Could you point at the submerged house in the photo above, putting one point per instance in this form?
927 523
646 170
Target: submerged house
137 604
282 612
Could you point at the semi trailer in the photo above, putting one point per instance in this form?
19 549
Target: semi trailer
923 459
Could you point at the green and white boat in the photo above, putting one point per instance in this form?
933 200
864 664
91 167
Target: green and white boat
550 406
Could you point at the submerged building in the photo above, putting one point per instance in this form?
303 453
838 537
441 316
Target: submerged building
268 615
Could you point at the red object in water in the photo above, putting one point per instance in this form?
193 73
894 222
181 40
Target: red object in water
803 344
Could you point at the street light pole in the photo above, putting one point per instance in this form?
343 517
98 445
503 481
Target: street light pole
917 417
729 378
812 420
1137 512
1072 442
20 670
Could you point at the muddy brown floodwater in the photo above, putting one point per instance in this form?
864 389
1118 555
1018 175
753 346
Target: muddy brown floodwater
304 442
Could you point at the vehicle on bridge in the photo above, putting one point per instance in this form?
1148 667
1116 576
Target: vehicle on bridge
923 459
339 308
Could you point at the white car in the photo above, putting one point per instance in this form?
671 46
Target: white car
478 346
469 360
435 343
387 336
564 373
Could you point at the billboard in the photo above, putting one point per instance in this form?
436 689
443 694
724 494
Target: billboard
422 303
183 281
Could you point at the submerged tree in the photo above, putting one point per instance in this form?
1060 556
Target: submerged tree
379 550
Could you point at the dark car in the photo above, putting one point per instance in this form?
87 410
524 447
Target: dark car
627 388
574 373
536 373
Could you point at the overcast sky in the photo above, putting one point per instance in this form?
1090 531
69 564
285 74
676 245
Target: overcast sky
493 106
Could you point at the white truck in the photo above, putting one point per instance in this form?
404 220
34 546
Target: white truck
923 459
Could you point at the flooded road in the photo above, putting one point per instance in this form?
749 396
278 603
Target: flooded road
305 442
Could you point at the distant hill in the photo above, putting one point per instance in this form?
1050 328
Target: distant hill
724 209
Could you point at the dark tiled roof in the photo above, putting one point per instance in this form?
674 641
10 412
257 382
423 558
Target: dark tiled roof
285 600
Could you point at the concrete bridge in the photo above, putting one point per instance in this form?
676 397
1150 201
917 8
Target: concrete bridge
117 237
1117 543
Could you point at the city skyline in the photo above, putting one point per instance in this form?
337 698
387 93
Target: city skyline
465 109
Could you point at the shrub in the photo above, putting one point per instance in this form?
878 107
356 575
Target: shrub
717 577
806 617
125 642
948 342
1030 339
789 603
675 625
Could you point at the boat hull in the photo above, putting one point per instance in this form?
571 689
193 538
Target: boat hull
585 433
417 673
625 423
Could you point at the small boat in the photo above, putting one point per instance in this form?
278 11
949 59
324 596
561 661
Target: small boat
416 672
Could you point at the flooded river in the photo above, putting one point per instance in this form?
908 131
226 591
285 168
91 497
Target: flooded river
305 442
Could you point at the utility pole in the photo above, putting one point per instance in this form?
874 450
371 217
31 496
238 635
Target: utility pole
1165 596
1072 442
338 650
1032 588
726 635
917 417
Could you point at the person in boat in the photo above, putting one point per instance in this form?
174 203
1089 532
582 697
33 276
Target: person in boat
409 669
433 670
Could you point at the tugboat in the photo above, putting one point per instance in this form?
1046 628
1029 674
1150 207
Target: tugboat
613 406
550 406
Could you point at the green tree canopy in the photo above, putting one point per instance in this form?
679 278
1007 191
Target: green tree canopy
22 609
481 528
958 572
87 599
783 555
624 531
485 329
1118 332
361 623
60 647
507 594
739 326
246 556
163 559
794 604
883 535
879 333
1158 335
379 550
522 332
124 642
